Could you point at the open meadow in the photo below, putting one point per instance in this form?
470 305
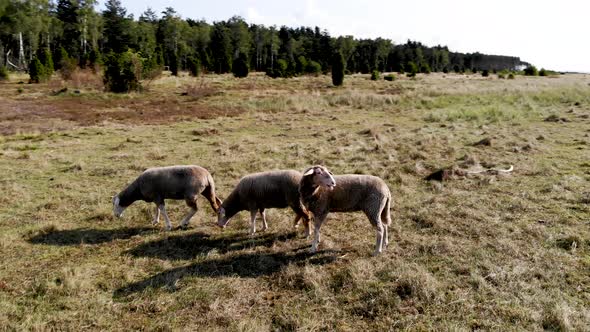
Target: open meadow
485 251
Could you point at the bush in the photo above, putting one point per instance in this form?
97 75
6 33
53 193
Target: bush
501 75
95 60
412 69
542 72
337 69
531 71
240 66
194 66
174 63
425 68
389 77
511 76
122 72
37 71
67 65
485 73
3 73
280 69
474 70
151 68
313 68
456 69
46 60
375 75
301 65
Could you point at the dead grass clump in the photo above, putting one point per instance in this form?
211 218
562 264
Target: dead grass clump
557 318
205 132
198 91
570 243
86 78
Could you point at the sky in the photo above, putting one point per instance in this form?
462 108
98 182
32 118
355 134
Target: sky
549 34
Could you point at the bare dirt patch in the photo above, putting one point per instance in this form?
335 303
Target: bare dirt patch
31 115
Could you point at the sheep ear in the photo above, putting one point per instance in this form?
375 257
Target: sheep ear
309 172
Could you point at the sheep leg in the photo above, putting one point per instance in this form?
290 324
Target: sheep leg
264 224
379 241
162 209
253 221
192 203
316 234
385 236
157 216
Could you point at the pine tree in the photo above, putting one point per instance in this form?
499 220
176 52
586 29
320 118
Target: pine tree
116 27
36 71
337 69
240 66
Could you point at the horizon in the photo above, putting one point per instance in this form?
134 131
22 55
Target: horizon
532 39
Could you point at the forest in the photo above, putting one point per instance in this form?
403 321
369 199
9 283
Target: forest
71 33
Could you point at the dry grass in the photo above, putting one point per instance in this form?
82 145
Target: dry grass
485 252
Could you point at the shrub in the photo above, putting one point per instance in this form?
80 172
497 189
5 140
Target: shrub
194 66
36 71
485 73
173 63
313 68
425 68
511 76
3 73
46 60
94 60
389 77
337 69
151 67
301 65
375 75
67 65
240 66
279 70
457 69
542 72
531 71
501 75
122 72
412 69
474 70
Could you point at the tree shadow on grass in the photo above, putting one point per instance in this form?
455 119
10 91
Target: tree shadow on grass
72 237
189 246
249 265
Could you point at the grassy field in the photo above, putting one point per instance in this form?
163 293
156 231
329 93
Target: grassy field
490 252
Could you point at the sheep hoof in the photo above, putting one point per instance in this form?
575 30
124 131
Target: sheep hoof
376 253
168 228
155 222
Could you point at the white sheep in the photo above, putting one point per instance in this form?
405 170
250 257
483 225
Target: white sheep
172 182
322 193
259 191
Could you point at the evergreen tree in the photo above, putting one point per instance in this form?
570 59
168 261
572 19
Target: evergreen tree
194 66
37 71
67 13
116 27
337 69
240 66
221 48
46 60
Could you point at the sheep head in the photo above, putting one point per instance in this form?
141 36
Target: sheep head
117 208
222 220
320 177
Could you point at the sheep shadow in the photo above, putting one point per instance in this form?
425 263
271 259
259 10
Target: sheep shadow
249 265
72 237
189 246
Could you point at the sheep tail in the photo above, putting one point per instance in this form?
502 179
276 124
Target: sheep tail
386 214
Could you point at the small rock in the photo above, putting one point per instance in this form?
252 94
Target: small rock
485 142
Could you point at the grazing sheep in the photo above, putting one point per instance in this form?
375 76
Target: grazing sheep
322 193
259 191
173 182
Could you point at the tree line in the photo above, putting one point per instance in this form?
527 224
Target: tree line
74 33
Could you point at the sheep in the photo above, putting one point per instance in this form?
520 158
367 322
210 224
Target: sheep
321 193
172 182
258 191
